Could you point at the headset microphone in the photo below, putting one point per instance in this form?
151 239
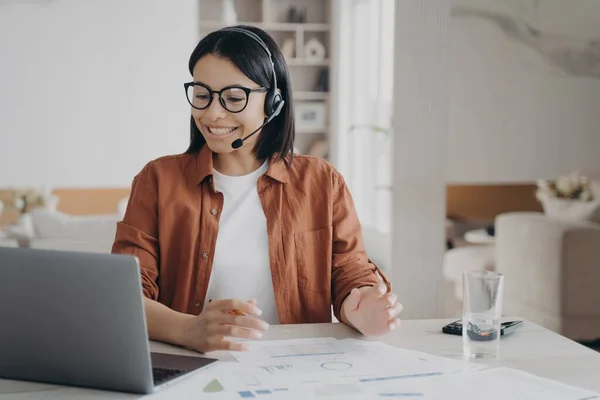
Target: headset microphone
237 143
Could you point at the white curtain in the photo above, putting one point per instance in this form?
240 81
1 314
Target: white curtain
366 74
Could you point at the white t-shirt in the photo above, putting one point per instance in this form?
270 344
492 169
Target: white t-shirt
241 268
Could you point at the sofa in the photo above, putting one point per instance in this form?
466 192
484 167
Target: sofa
54 230
456 261
92 234
552 272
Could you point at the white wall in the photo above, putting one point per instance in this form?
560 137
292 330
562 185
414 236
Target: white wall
512 116
420 154
92 90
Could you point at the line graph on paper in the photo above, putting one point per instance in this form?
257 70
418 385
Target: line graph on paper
286 350
302 350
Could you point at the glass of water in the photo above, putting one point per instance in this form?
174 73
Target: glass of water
482 309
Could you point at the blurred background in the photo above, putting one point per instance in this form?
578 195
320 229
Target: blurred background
468 131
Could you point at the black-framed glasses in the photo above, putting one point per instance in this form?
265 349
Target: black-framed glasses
233 98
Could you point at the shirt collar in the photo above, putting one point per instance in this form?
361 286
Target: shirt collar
278 170
204 167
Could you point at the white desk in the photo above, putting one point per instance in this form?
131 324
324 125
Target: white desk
532 349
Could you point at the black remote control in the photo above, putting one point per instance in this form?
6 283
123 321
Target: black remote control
481 333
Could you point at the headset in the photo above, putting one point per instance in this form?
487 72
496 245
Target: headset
273 101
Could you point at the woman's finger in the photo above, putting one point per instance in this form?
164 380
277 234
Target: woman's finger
242 307
393 323
218 343
379 290
242 321
394 310
238 332
391 299
386 301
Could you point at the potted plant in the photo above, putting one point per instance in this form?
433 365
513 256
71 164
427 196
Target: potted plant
570 196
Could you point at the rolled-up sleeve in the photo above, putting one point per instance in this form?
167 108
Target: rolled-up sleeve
350 266
137 234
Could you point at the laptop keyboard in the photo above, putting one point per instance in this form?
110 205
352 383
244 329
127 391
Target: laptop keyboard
161 375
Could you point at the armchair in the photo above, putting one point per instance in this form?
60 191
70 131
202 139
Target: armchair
552 272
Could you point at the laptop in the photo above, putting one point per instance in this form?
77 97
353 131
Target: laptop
78 319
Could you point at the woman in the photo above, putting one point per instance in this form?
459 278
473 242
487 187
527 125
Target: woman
238 233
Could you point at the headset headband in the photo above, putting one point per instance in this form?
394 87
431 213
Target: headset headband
262 44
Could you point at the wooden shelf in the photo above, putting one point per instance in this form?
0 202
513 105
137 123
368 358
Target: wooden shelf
270 26
311 95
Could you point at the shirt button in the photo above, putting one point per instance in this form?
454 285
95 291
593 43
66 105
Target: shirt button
205 255
198 304
213 211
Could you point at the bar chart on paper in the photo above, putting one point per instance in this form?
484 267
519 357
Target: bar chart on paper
252 394
290 349
274 368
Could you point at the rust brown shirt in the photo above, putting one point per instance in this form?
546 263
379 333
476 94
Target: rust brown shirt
316 251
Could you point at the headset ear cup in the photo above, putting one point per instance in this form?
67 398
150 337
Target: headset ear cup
269 103
278 103
272 103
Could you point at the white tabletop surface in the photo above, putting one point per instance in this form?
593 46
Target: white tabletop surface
532 349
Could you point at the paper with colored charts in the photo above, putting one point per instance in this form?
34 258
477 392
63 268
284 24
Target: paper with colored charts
494 383
326 368
308 367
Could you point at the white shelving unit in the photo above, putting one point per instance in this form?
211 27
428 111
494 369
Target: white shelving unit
310 78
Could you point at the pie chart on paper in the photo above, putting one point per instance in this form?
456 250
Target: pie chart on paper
336 366
213 387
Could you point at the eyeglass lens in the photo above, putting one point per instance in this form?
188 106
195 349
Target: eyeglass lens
232 99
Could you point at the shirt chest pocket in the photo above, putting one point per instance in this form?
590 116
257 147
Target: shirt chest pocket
313 259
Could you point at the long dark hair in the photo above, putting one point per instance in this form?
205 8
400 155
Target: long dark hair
277 137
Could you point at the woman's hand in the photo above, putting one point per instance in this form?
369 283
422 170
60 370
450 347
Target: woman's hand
371 311
221 319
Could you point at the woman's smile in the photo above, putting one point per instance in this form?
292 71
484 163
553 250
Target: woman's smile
220 132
